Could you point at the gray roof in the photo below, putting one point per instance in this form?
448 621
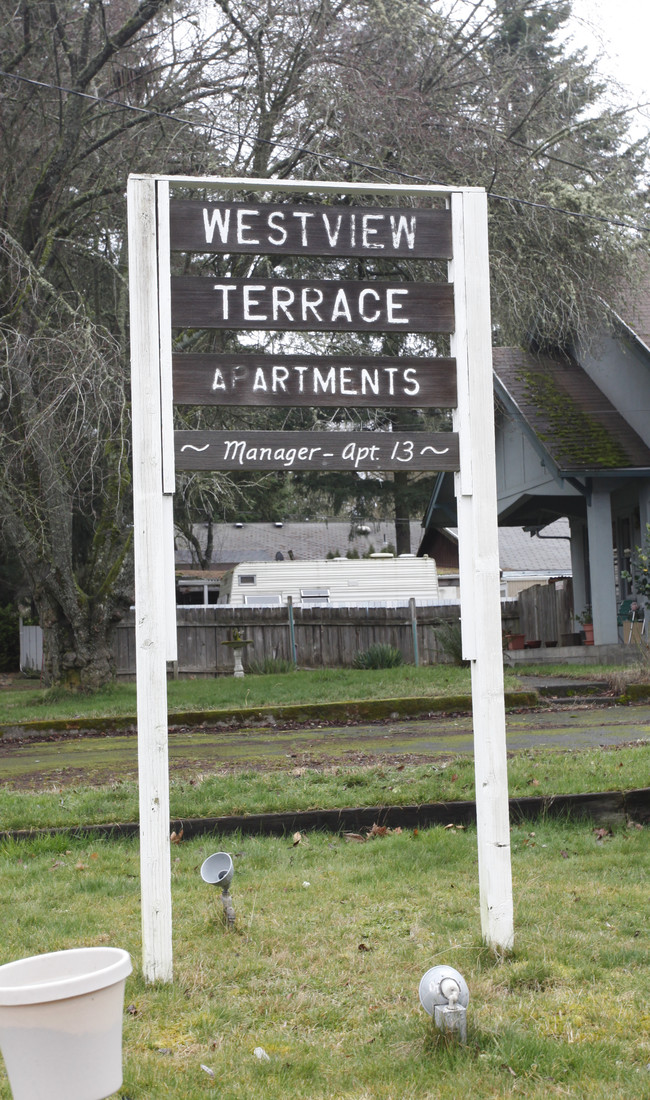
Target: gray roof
577 425
521 552
262 541
636 311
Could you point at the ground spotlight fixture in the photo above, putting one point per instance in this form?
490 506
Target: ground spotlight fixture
445 996
218 870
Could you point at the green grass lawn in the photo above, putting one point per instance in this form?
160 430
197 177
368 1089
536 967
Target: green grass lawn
331 941
225 692
303 687
291 787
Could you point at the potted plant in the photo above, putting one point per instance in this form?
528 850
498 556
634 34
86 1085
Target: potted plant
639 576
586 620
513 641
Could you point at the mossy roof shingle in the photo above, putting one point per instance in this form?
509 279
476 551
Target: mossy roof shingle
577 425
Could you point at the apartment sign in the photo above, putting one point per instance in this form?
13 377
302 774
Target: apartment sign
167 370
290 229
218 450
312 304
382 381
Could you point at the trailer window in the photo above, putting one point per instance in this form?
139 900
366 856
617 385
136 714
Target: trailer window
315 595
247 578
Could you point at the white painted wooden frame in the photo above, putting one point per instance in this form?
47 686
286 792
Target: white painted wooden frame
151 585
153 484
476 499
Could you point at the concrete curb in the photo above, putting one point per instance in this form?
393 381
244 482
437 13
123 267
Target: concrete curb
355 709
604 808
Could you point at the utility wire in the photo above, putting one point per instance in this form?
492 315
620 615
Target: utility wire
338 159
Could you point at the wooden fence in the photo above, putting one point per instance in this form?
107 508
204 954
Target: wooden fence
324 637
546 612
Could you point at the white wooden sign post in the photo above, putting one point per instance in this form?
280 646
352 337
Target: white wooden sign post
460 308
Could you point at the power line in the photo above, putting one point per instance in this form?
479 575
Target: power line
304 150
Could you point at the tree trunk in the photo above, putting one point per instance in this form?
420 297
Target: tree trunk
402 512
79 655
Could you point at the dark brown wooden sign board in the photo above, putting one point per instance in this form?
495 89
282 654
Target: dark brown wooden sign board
276 380
312 305
363 451
314 230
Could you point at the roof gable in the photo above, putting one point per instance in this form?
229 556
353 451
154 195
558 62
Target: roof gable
576 424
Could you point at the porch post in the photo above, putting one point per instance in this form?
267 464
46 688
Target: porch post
601 567
578 565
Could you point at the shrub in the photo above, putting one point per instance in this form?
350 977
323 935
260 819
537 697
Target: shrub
380 655
449 641
269 666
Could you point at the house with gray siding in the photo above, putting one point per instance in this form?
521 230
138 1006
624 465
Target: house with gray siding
573 440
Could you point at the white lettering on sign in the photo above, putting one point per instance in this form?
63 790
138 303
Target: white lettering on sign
342 380
355 454
250 226
219 220
372 452
237 451
309 304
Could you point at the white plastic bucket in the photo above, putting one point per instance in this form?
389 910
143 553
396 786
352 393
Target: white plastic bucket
61 1023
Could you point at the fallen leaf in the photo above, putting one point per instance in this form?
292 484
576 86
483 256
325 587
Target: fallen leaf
297 837
565 855
93 855
364 947
206 1069
132 1010
80 866
378 830
176 837
355 836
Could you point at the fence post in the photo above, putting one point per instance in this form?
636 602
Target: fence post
292 632
414 630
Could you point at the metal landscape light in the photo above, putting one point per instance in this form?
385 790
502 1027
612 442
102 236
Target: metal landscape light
218 870
445 996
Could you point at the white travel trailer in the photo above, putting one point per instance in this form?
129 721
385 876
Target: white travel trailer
381 580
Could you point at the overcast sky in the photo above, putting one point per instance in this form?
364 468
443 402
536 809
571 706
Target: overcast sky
617 32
